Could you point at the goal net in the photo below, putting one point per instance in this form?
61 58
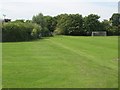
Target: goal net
99 33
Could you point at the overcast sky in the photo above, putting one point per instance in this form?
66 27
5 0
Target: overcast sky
25 9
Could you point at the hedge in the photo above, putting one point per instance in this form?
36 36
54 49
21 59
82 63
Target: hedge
20 31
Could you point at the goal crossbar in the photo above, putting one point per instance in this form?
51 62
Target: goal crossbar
99 33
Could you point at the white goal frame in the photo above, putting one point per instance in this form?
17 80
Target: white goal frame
99 33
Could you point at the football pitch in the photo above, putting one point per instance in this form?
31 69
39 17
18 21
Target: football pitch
61 62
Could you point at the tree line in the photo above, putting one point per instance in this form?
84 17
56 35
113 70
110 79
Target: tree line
63 24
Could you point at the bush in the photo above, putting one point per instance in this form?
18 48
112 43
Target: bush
114 30
58 31
45 32
20 31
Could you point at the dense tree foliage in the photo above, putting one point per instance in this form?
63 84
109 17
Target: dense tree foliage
75 24
109 28
69 24
19 31
40 20
91 23
64 24
19 20
50 23
115 19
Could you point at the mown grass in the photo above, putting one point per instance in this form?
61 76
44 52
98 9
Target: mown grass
61 62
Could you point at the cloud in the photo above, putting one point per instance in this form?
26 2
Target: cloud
25 10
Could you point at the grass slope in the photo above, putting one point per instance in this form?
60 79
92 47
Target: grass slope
61 61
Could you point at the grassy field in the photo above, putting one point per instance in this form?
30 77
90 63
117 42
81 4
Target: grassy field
61 62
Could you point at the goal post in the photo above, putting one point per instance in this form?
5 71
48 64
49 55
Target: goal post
99 33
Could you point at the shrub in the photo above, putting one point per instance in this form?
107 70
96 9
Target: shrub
45 32
58 31
20 31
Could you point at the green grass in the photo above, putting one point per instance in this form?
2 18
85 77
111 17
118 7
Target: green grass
61 62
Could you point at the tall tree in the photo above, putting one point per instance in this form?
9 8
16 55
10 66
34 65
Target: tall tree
91 23
40 20
75 24
50 23
70 24
62 23
115 19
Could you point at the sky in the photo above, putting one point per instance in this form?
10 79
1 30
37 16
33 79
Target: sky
25 9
